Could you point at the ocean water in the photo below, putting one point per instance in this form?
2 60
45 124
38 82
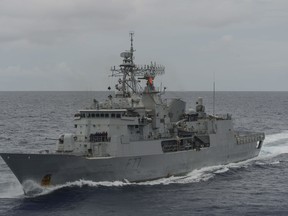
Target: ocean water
30 120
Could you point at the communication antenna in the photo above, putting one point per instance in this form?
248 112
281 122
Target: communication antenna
131 33
130 73
214 94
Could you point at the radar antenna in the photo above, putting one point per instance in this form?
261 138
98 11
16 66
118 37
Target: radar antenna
130 73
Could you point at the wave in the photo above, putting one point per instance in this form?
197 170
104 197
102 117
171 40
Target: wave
5 138
275 138
10 190
33 189
274 144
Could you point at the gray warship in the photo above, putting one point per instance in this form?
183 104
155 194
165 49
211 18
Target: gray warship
136 136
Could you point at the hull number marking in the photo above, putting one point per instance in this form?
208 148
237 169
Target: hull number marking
133 162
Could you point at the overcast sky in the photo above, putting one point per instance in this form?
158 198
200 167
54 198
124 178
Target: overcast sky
71 44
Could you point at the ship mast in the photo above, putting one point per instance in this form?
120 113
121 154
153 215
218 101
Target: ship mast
129 73
133 78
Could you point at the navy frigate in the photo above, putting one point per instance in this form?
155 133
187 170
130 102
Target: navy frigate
136 136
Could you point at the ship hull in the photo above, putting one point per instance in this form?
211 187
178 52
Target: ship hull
63 168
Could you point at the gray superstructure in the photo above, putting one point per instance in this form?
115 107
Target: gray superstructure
134 135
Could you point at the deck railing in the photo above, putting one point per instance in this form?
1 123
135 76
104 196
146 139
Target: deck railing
249 137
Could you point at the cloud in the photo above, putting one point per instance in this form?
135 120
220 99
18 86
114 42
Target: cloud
49 21
227 38
17 71
44 21
70 44
57 76
204 13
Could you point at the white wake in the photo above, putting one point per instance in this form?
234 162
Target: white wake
274 145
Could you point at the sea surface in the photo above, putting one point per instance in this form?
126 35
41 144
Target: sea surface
29 121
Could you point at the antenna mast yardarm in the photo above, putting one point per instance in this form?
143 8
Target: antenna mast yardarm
130 73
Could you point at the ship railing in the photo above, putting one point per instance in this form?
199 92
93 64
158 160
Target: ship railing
222 116
176 145
93 138
44 151
248 137
100 139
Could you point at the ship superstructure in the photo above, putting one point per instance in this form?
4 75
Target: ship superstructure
134 135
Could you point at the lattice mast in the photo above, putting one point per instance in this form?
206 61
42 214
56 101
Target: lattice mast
130 74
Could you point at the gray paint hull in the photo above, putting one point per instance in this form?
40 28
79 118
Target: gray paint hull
69 168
